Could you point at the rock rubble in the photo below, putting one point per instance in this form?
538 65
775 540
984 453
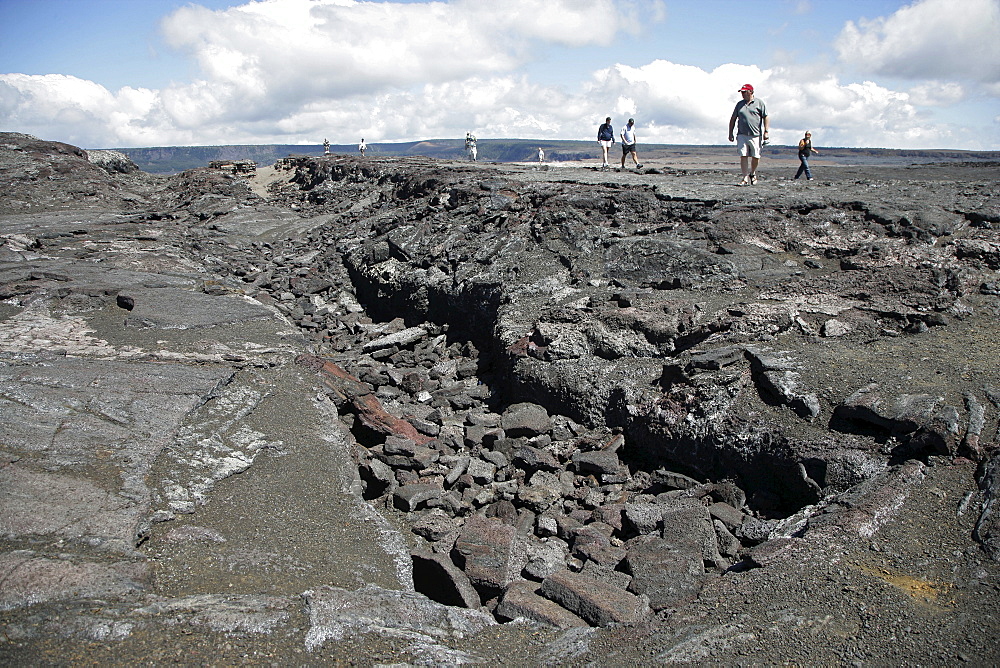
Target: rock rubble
405 401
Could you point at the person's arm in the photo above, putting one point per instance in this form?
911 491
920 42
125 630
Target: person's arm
767 125
732 125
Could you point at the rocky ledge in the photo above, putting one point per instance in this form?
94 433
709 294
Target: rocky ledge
403 410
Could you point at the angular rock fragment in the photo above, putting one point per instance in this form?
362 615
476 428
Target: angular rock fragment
436 576
533 459
521 600
689 528
336 613
412 496
598 603
729 545
668 576
404 338
728 515
644 518
490 552
597 461
525 419
933 428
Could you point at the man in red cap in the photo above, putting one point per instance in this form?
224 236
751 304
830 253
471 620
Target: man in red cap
752 131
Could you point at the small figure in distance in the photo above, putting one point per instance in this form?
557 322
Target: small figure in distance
541 154
470 146
805 150
606 138
752 130
362 147
326 146
628 143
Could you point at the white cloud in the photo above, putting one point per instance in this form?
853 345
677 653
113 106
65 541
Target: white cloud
307 49
938 94
296 71
930 39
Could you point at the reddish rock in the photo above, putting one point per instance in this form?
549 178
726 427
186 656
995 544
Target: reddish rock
490 552
521 600
598 603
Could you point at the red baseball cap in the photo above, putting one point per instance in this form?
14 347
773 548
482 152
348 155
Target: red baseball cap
746 87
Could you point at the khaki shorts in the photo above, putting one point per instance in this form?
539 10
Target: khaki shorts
747 146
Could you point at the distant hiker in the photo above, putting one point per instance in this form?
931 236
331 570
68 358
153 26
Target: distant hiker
628 143
805 150
605 137
751 114
362 147
470 145
541 154
326 146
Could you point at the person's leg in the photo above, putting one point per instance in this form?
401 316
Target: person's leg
635 156
753 169
805 164
624 153
802 168
745 167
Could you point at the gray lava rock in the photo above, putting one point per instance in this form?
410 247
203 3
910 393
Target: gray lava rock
597 461
435 573
491 553
668 576
410 497
525 419
521 600
599 603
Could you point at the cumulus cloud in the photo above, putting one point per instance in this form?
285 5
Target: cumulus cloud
681 104
295 71
305 49
930 39
88 112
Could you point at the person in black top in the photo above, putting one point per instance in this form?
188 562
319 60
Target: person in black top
605 137
805 150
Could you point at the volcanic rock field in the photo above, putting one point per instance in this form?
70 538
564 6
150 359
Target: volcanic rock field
406 411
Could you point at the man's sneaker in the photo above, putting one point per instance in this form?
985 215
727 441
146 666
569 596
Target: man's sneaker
639 166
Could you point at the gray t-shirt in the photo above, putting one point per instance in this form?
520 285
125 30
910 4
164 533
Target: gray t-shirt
750 117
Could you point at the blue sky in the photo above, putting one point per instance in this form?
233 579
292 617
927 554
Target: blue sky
118 73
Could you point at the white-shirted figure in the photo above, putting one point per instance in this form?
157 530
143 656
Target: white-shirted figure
470 145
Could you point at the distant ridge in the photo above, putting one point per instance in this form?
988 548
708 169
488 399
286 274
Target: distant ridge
174 159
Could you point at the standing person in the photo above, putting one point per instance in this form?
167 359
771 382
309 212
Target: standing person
470 145
628 143
752 130
362 147
541 154
805 150
606 138
326 146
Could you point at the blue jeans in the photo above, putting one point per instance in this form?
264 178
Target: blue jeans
804 167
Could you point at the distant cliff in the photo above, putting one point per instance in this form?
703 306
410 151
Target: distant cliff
174 159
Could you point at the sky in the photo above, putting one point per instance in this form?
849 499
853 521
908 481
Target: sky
856 73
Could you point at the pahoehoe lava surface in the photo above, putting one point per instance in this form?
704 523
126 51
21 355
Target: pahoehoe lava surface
404 410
